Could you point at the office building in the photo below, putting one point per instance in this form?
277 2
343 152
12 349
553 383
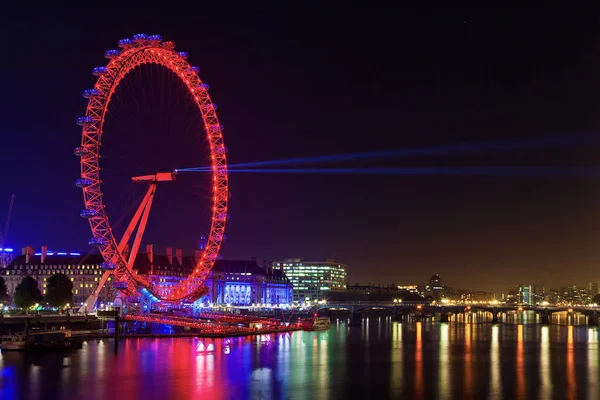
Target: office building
313 280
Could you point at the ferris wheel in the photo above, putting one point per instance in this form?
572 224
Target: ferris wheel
118 260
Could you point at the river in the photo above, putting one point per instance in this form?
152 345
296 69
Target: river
382 359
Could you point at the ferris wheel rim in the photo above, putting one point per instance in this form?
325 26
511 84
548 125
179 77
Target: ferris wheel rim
142 50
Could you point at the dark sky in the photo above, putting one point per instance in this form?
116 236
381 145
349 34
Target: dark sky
313 81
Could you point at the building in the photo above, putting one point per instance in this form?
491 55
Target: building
313 280
84 271
6 256
435 289
526 295
233 282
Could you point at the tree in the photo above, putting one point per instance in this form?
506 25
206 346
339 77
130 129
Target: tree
59 290
27 293
3 289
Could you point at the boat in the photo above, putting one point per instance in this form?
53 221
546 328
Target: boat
315 323
15 341
41 340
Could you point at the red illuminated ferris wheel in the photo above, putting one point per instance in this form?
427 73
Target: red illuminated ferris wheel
143 49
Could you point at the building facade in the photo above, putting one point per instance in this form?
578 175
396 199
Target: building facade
313 280
231 282
84 271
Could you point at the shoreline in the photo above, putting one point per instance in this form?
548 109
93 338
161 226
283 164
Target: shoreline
91 336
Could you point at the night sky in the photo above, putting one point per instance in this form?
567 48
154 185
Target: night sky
311 81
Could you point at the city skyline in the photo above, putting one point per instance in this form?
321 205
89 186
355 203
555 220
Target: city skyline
303 85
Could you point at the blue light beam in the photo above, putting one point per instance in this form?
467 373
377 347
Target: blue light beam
456 171
514 144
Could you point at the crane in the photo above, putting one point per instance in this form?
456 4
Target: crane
4 234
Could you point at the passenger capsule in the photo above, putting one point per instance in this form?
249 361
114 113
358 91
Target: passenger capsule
169 45
140 37
221 149
108 265
223 217
203 86
96 242
215 128
80 151
125 43
99 71
87 214
85 120
183 55
112 53
211 106
120 285
89 93
195 69
83 182
155 38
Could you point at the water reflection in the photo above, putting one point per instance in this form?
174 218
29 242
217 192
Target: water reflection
444 382
571 384
495 371
409 360
520 364
397 361
545 368
418 389
592 365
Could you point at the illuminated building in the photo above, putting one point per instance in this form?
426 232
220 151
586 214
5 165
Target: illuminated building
313 280
435 288
233 282
526 295
84 271
6 256
409 288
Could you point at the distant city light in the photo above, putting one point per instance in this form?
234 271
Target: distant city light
6 250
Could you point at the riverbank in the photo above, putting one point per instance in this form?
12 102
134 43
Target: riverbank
220 335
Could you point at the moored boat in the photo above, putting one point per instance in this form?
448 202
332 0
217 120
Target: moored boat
41 340
15 341
315 323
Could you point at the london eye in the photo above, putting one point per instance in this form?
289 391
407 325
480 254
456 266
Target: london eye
119 251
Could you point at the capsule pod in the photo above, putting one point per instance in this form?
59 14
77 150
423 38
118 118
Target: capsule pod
140 37
210 106
220 236
125 43
99 71
83 182
120 285
80 151
203 86
85 120
183 55
112 53
221 149
169 45
89 93
96 242
88 213
108 265
222 217
214 128
155 38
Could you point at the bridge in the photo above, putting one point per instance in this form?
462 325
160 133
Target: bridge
403 310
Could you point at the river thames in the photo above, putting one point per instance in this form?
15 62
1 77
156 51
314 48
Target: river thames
382 359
